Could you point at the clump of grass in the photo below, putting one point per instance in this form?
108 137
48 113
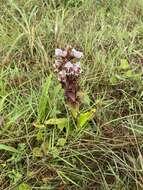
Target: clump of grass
107 152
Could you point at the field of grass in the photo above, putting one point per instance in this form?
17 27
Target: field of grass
107 152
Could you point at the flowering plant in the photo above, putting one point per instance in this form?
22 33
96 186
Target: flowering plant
67 66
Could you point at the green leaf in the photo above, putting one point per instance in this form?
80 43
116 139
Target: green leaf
128 74
24 186
60 122
86 99
61 142
40 136
141 95
2 101
8 148
44 99
124 64
84 117
74 112
137 76
83 96
45 147
113 80
56 121
55 152
38 125
120 77
37 152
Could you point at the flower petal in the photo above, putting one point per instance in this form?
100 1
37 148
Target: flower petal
58 52
62 76
68 64
76 54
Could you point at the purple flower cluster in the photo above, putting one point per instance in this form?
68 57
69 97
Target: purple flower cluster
67 63
67 66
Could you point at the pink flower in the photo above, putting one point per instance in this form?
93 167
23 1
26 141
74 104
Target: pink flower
77 69
60 53
68 65
64 54
57 64
69 68
76 54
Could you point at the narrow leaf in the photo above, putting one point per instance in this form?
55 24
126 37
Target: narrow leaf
124 64
84 117
56 121
8 148
44 99
60 122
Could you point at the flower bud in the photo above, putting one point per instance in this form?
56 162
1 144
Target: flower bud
77 71
69 68
60 53
58 63
62 76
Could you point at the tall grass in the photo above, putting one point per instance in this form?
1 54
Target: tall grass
107 153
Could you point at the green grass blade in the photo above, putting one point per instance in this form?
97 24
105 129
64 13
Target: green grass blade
44 99
8 148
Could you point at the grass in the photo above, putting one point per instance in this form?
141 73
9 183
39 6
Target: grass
107 153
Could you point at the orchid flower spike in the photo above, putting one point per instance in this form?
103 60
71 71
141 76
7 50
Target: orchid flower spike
67 65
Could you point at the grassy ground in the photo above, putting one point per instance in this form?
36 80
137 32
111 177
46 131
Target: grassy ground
107 154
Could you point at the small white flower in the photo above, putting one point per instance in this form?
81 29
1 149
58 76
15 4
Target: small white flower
76 54
69 68
58 52
64 54
68 64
